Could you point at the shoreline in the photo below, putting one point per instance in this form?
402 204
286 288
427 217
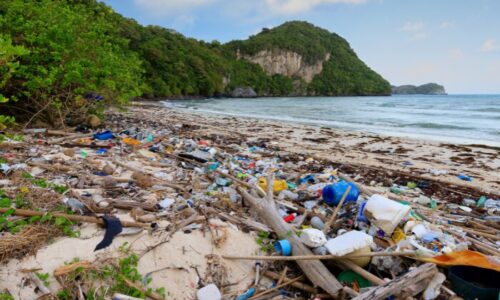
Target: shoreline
420 131
362 149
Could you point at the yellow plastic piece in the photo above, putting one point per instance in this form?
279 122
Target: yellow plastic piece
279 185
131 141
398 235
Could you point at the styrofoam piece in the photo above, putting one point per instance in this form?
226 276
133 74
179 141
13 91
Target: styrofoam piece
348 242
385 213
313 237
209 292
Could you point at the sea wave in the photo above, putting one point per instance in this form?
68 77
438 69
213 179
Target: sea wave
430 125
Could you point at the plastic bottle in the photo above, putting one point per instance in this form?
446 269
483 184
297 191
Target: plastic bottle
317 223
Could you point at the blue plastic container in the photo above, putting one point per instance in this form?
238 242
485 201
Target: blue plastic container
105 135
283 247
333 193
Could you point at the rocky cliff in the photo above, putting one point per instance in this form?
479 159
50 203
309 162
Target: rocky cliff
286 63
300 59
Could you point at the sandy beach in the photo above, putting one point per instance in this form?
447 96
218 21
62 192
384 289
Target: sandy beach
189 258
390 157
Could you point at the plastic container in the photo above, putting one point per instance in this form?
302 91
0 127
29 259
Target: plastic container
105 135
384 213
279 185
351 277
475 283
352 242
283 247
333 193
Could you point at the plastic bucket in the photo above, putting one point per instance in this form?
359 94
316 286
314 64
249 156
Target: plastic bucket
475 283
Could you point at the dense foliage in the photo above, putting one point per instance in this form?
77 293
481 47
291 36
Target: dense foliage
175 65
54 53
9 63
74 48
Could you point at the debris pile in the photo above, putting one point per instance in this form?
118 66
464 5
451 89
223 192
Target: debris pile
316 232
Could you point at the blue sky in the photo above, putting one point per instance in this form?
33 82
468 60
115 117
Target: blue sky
452 42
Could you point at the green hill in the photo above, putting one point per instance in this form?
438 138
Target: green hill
180 66
343 73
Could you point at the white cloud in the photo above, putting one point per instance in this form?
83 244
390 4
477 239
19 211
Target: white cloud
447 25
416 30
170 7
490 45
288 7
456 54
413 26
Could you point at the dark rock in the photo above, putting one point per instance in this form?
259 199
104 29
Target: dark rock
246 92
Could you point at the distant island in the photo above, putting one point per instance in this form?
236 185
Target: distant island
424 89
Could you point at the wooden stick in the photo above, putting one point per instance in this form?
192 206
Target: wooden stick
395 286
329 223
277 287
134 285
70 138
75 218
299 285
283 275
476 232
320 257
39 284
161 182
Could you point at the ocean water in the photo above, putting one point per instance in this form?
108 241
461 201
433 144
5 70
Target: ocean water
461 119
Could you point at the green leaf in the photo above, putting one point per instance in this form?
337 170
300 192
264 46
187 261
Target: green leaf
5 202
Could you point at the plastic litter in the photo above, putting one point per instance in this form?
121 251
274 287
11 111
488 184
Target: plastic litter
313 237
349 243
384 213
105 135
283 247
209 292
333 193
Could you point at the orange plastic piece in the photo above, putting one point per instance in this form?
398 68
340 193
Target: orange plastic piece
465 258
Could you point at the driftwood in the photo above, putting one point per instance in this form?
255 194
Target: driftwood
75 218
161 182
317 273
40 285
398 285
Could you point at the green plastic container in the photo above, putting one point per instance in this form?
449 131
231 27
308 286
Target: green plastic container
350 277
475 283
